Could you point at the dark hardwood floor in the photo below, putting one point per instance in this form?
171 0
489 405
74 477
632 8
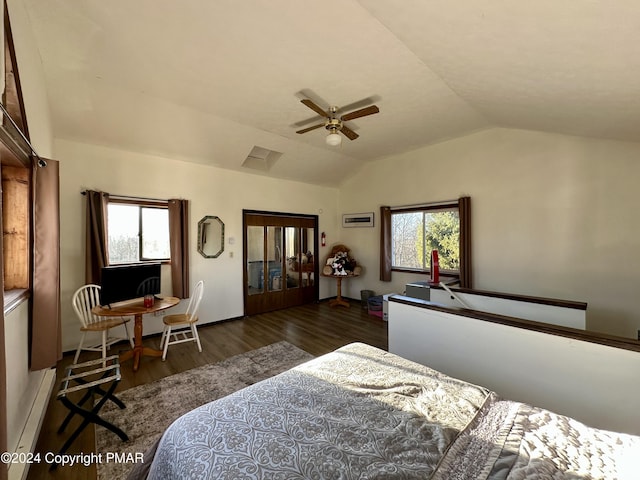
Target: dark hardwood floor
315 328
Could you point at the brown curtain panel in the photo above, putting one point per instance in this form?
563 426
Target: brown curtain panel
385 244
464 210
179 244
46 347
97 249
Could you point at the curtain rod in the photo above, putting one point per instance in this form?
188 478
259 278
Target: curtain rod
125 197
422 205
41 162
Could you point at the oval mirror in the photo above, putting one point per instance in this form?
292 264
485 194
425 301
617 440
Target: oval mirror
210 237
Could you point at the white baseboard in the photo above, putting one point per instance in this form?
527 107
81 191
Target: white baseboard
29 437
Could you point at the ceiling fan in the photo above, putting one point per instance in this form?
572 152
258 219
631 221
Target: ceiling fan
335 123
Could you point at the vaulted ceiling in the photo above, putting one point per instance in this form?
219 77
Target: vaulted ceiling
208 80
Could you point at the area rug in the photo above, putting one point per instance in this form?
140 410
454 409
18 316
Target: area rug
151 408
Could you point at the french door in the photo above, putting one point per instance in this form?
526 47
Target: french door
279 253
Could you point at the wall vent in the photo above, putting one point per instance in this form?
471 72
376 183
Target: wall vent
261 159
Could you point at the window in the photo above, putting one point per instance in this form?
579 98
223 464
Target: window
137 232
16 196
408 234
416 232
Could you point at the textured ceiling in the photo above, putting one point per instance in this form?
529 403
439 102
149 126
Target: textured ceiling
206 81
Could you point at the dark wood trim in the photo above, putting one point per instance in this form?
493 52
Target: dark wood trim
266 213
426 207
576 334
523 298
445 274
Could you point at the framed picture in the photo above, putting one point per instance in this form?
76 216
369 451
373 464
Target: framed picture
357 219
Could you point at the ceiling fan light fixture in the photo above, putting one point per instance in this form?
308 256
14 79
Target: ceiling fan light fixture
333 139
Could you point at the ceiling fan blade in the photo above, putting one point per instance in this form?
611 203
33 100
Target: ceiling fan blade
305 130
314 107
350 134
360 113
365 102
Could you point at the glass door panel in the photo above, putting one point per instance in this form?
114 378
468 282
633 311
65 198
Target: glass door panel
292 251
309 258
255 260
274 258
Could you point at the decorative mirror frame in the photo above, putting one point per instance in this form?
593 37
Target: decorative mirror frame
201 236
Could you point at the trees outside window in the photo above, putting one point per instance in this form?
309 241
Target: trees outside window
137 232
415 233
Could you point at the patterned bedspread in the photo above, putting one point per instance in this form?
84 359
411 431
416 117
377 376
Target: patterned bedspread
356 413
512 440
363 413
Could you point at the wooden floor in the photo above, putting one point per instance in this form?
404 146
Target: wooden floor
315 328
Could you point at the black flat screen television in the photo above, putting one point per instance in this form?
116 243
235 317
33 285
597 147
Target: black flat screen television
125 282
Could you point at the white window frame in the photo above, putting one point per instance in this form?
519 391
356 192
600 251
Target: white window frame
141 204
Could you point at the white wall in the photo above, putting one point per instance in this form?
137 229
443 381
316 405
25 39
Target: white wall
593 383
552 216
211 191
22 386
32 81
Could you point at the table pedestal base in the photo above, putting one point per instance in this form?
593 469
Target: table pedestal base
139 350
339 301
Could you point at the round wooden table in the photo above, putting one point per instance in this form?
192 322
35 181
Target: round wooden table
339 300
137 309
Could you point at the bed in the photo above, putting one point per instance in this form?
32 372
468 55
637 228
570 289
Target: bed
363 413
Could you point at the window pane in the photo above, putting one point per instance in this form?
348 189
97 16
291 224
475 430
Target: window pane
292 251
255 259
406 244
155 233
308 242
416 234
123 225
442 233
274 258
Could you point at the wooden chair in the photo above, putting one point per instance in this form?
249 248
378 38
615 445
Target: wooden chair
83 300
184 323
149 286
